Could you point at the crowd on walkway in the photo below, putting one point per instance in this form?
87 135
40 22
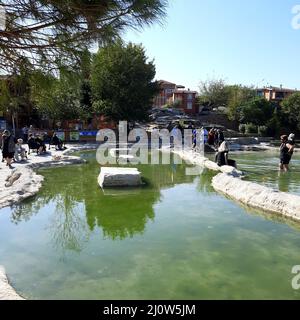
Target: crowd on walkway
17 149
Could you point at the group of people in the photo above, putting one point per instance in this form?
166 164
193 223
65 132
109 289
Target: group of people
37 143
215 137
217 140
222 147
14 150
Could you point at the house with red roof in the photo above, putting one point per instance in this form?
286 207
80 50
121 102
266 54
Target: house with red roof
176 95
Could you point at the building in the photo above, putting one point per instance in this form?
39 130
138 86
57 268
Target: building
166 90
186 101
275 94
176 95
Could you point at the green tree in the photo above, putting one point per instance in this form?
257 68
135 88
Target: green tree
85 98
122 82
57 98
213 93
15 94
56 32
275 123
66 96
238 95
291 111
85 91
257 111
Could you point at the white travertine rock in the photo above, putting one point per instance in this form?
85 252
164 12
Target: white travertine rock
197 159
22 182
231 170
212 165
258 196
6 291
10 180
119 177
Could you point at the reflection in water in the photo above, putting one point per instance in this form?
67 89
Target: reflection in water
67 226
283 178
204 182
79 205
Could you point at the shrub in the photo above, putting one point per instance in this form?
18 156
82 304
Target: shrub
273 126
262 131
242 128
251 128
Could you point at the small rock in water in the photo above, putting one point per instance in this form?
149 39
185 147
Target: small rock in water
119 177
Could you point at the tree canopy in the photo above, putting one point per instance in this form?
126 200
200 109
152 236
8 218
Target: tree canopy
122 82
237 96
216 93
257 111
213 93
291 111
56 98
53 32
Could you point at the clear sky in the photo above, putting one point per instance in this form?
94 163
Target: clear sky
241 41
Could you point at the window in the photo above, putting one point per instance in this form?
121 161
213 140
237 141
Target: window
190 96
190 105
169 91
279 95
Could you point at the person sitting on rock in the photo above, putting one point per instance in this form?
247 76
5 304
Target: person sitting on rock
222 156
20 151
41 144
32 145
57 142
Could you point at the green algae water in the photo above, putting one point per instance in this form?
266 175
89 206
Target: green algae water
174 238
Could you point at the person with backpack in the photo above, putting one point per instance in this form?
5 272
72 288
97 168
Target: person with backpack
286 152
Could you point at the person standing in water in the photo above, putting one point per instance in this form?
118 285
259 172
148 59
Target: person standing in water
286 152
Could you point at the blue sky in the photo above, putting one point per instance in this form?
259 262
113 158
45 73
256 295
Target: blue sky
241 41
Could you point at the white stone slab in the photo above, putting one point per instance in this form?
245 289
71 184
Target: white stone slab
119 177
